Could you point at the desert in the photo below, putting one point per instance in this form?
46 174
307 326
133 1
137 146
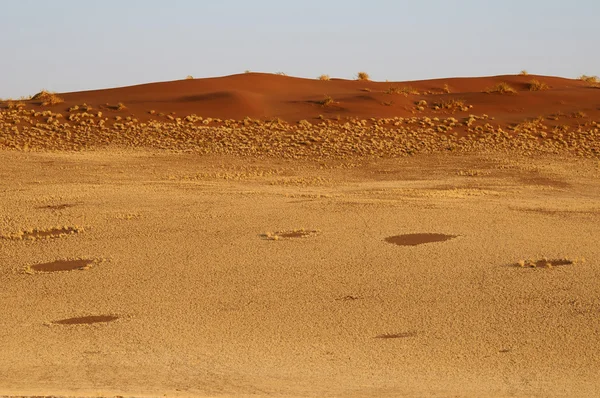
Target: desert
265 235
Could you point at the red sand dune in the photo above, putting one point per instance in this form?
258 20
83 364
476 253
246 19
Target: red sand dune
267 96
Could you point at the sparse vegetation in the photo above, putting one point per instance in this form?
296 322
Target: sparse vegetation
363 76
405 90
324 78
524 73
189 77
536 85
547 263
452 105
446 89
590 79
47 98
281 73
501 88
327 101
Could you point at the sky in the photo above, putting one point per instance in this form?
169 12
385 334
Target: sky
74 45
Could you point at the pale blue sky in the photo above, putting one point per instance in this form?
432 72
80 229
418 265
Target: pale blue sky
70 45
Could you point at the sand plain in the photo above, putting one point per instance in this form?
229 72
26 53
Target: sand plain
199 276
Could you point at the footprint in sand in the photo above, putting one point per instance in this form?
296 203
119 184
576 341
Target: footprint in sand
87 320
418 239
60 266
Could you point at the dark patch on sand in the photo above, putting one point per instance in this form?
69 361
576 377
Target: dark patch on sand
418 239
61 265
87 320
396 335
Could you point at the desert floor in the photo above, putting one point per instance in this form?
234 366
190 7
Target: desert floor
217 276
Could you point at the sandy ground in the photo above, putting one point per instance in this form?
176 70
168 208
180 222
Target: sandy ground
189 254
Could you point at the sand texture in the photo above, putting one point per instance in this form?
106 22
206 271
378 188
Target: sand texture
141 272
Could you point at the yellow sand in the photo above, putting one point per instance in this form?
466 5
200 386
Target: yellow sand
207 306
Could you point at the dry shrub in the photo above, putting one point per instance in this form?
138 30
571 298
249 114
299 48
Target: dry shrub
501 88
327 101
189 77
363 76
47 98
589 79
536 85
453 105
324 77
406 90
523 73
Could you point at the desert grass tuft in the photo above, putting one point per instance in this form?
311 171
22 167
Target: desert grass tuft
406 90
363 76
589 79
47 98
189 77
324 78
501 88
536 85
524 73
327 101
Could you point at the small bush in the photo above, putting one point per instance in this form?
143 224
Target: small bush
524 73
363 76
502 88
327 101
453 105
324 77
406 90
189 77
536 85
47 98
594 81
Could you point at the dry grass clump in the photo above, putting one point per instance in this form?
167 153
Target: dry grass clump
47 98
524 73
452 105
327 101
446 89
589 79
501 88
189 77
548 263
536 85
324 78
405 90
363 76
119 107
